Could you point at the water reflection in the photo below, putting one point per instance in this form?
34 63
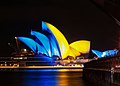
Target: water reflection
43 78
39 79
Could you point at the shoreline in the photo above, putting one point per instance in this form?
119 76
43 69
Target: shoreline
41 68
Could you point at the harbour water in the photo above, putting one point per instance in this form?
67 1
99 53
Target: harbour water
43 77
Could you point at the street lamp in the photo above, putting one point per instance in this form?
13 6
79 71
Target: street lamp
17 43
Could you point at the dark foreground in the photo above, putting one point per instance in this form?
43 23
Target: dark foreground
103 72
43 77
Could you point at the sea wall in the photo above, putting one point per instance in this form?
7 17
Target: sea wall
103 72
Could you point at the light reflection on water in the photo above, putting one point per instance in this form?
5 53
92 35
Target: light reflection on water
46 77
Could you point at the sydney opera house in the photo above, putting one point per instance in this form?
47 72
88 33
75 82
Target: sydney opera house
50 44
50 47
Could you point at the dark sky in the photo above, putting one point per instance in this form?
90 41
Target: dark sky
76 19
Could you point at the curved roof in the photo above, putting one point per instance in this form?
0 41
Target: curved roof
62 42
83 46
44 41
33 45
73 52
98 53
105 53
55 49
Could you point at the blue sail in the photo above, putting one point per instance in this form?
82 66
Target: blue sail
34 46
109 53
98 53
53 42
106 53
42 40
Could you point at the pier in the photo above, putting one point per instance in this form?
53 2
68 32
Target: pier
103 72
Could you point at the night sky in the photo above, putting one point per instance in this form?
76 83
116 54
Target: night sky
76 19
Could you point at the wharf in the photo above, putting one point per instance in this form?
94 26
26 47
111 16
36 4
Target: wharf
103 72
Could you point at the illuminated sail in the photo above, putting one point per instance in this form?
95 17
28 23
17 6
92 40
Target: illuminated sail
98 53
61 40
105 53
44 41
83 46
54 46
109 53
33 45
73 52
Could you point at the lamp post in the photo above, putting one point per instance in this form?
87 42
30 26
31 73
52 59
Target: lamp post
17 43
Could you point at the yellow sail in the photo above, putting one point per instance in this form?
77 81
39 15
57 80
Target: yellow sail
63 44
73 52
83 46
